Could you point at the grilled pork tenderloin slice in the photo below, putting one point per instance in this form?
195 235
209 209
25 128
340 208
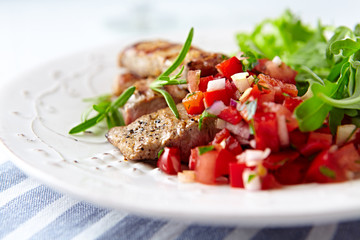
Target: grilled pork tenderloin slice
151 58
144 138
145 100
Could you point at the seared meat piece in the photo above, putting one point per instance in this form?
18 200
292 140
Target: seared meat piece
206 62
144 138
146 101
123 81
151 58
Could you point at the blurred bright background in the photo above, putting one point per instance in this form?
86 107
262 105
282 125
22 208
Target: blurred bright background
34 32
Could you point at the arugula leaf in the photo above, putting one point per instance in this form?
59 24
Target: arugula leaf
313 111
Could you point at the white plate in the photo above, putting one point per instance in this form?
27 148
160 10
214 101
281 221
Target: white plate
38 109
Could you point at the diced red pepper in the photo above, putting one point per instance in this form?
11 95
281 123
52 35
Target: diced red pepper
266 131
204 82
169 161
231 115
236 174
229 67
217 95
316 142
194 103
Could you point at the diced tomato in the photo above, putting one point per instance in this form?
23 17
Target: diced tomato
231 115
279 87
169 161
193 157
194 103
324 169
277 160
229 67
205 167
236 174
212 164
269 182
316 142
231 89
266 131
204 82
282 72
291 103
217 95
298 139
279 109
348 157
262 94
222 162
231 144
220 136
293 171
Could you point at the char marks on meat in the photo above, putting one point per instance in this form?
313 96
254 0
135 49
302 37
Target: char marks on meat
144 138
151 58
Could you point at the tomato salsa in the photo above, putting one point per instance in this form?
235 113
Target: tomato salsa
259 145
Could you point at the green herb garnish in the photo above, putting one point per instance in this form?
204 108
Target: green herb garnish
327 172
165 78
160 152
109 110
251 177
106 110
205 149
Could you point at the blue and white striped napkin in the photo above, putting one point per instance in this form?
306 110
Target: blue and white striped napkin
30 210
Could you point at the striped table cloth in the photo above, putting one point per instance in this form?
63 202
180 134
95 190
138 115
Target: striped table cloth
30 210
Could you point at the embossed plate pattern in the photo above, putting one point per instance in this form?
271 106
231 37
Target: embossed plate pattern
39 107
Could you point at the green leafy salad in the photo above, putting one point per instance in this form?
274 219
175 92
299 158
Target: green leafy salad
326 58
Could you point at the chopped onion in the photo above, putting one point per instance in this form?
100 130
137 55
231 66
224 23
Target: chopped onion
216 84
242 81
253 157
245 96
233 103
254 184
220 124
216 108
241 129
277 60
345 133
282 131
